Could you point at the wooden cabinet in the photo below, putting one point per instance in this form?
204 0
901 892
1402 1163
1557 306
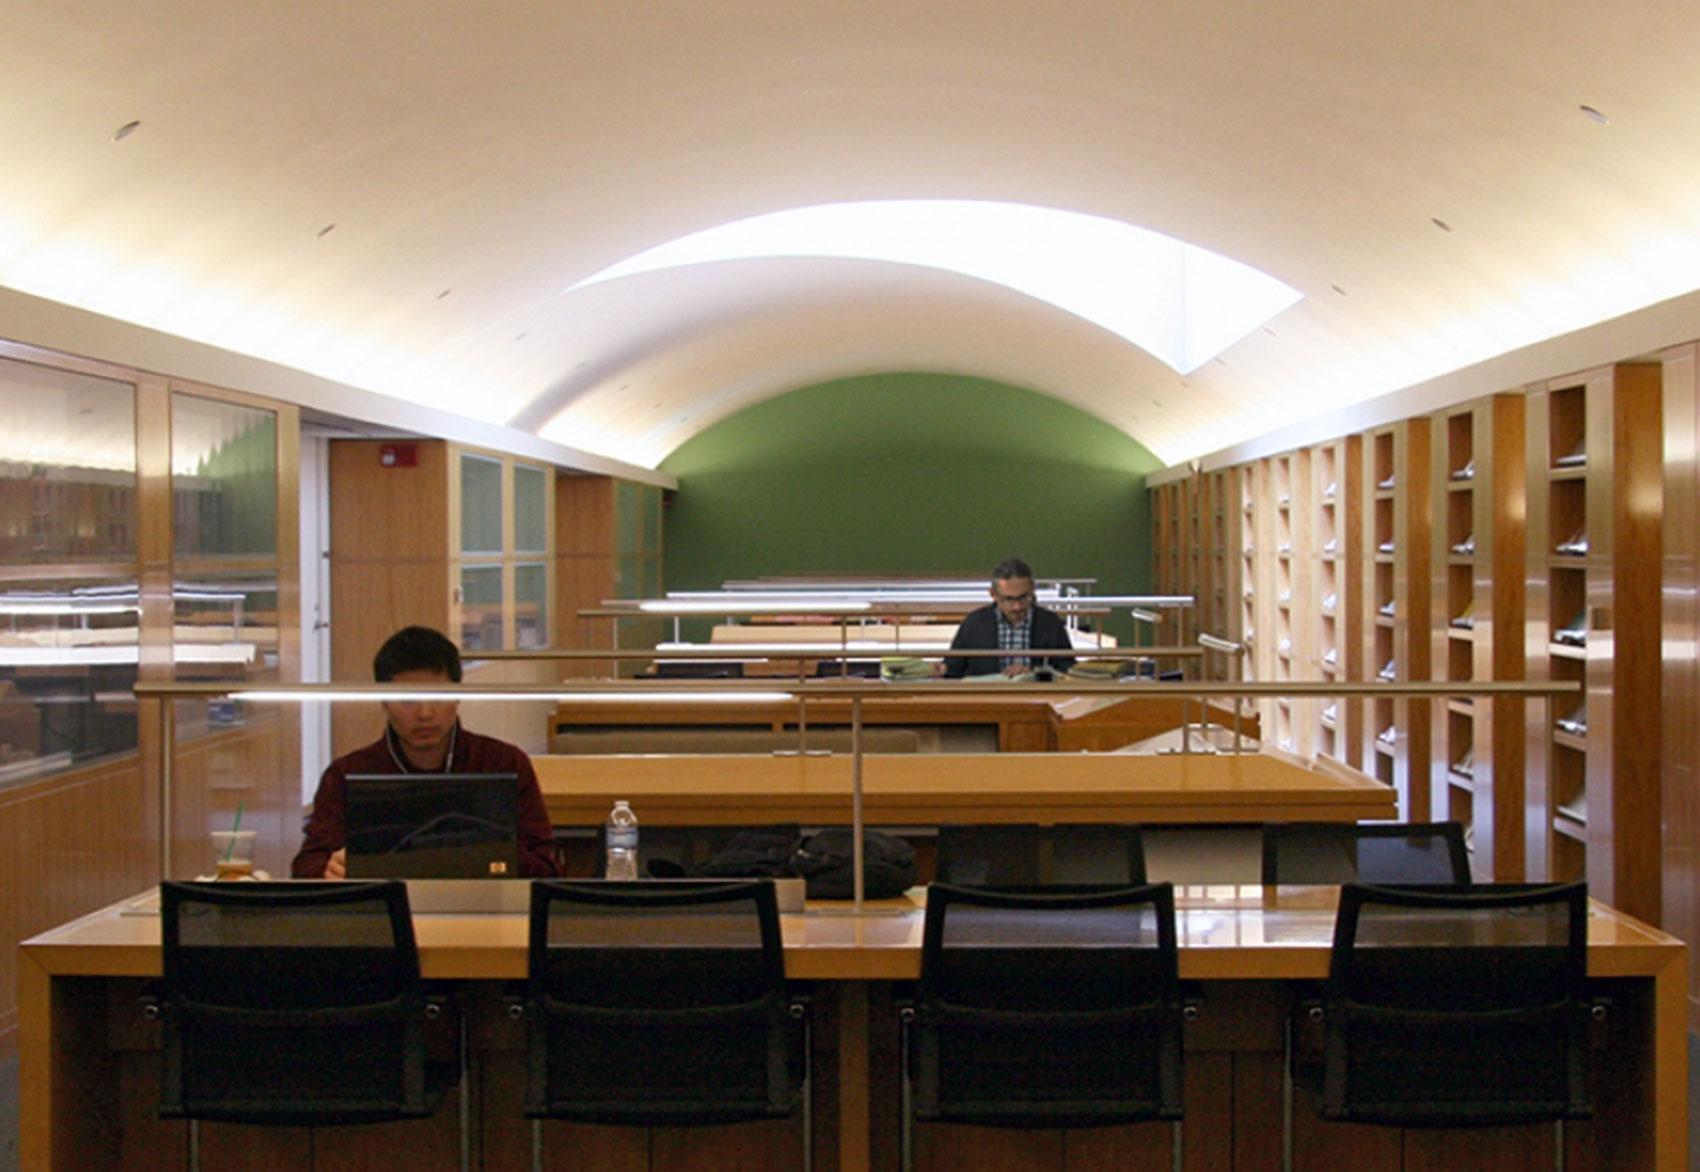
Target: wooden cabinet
1595 466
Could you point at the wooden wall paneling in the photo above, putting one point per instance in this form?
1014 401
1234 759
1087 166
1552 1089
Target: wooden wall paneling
390 549
1629 679
69 844
1539 751
1413 520
1501 609
1680 654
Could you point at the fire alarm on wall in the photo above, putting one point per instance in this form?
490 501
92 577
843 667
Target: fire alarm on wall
399 455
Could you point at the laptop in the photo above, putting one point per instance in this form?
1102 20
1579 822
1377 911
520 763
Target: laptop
432 825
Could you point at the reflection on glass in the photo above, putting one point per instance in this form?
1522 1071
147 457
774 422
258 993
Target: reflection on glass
68 654
480 505
531 509
67 466
225 626
223 477
480 608
531 605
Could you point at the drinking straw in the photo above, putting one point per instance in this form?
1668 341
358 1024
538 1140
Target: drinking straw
230 851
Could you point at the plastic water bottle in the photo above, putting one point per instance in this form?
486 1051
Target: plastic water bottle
622 836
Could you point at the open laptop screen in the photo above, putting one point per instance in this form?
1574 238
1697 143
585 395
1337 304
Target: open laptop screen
432 825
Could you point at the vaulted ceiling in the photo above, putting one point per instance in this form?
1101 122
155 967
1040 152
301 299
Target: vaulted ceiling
398 196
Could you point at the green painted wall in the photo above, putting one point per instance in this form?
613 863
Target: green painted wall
911 473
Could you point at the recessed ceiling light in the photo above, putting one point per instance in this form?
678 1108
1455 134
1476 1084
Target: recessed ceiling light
124 131
1338 290
326 230
520 337
1595 115
1440 223
444 294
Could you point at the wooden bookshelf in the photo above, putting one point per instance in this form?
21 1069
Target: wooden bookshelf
1396 543
1477 773
1594 447
1330 610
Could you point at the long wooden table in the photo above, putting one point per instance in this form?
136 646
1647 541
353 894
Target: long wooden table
924 789
87 1060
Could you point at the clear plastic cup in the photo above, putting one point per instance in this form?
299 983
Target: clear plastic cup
233 854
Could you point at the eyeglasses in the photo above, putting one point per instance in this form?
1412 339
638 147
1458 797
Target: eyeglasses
1014 599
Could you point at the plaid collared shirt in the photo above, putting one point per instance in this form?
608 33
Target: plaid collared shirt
1014 637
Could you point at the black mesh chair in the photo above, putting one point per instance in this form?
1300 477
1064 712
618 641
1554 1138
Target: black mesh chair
988 855
1096 853
1458 1007
661 1003
1026 856
290 1003
1059 1009
1367 852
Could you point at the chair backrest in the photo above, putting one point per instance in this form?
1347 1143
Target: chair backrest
1457 1006
988 855
1364 852
291 1003
1055 1009
1025 856
1096 853
659 1003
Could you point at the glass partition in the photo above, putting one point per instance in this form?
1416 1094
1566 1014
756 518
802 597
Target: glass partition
223 478
69 598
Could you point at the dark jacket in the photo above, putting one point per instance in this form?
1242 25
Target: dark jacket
325 831
979 632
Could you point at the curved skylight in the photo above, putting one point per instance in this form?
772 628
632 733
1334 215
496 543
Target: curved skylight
1182 303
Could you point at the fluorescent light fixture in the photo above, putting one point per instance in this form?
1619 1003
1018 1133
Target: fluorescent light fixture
282 696
749 606
1179 302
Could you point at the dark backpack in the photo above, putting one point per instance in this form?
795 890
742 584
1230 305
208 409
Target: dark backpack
824 861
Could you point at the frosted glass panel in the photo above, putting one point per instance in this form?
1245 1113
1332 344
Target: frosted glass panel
223 477
480 608
480 505
531 605
531 509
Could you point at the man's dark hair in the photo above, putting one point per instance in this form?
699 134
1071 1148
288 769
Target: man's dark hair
1011 568
416 649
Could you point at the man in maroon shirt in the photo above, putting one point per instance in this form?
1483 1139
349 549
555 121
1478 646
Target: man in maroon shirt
423 736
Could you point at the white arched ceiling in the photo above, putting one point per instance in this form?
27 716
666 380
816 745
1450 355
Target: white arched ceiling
1424 176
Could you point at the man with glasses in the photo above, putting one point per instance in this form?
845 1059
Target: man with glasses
1011 623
